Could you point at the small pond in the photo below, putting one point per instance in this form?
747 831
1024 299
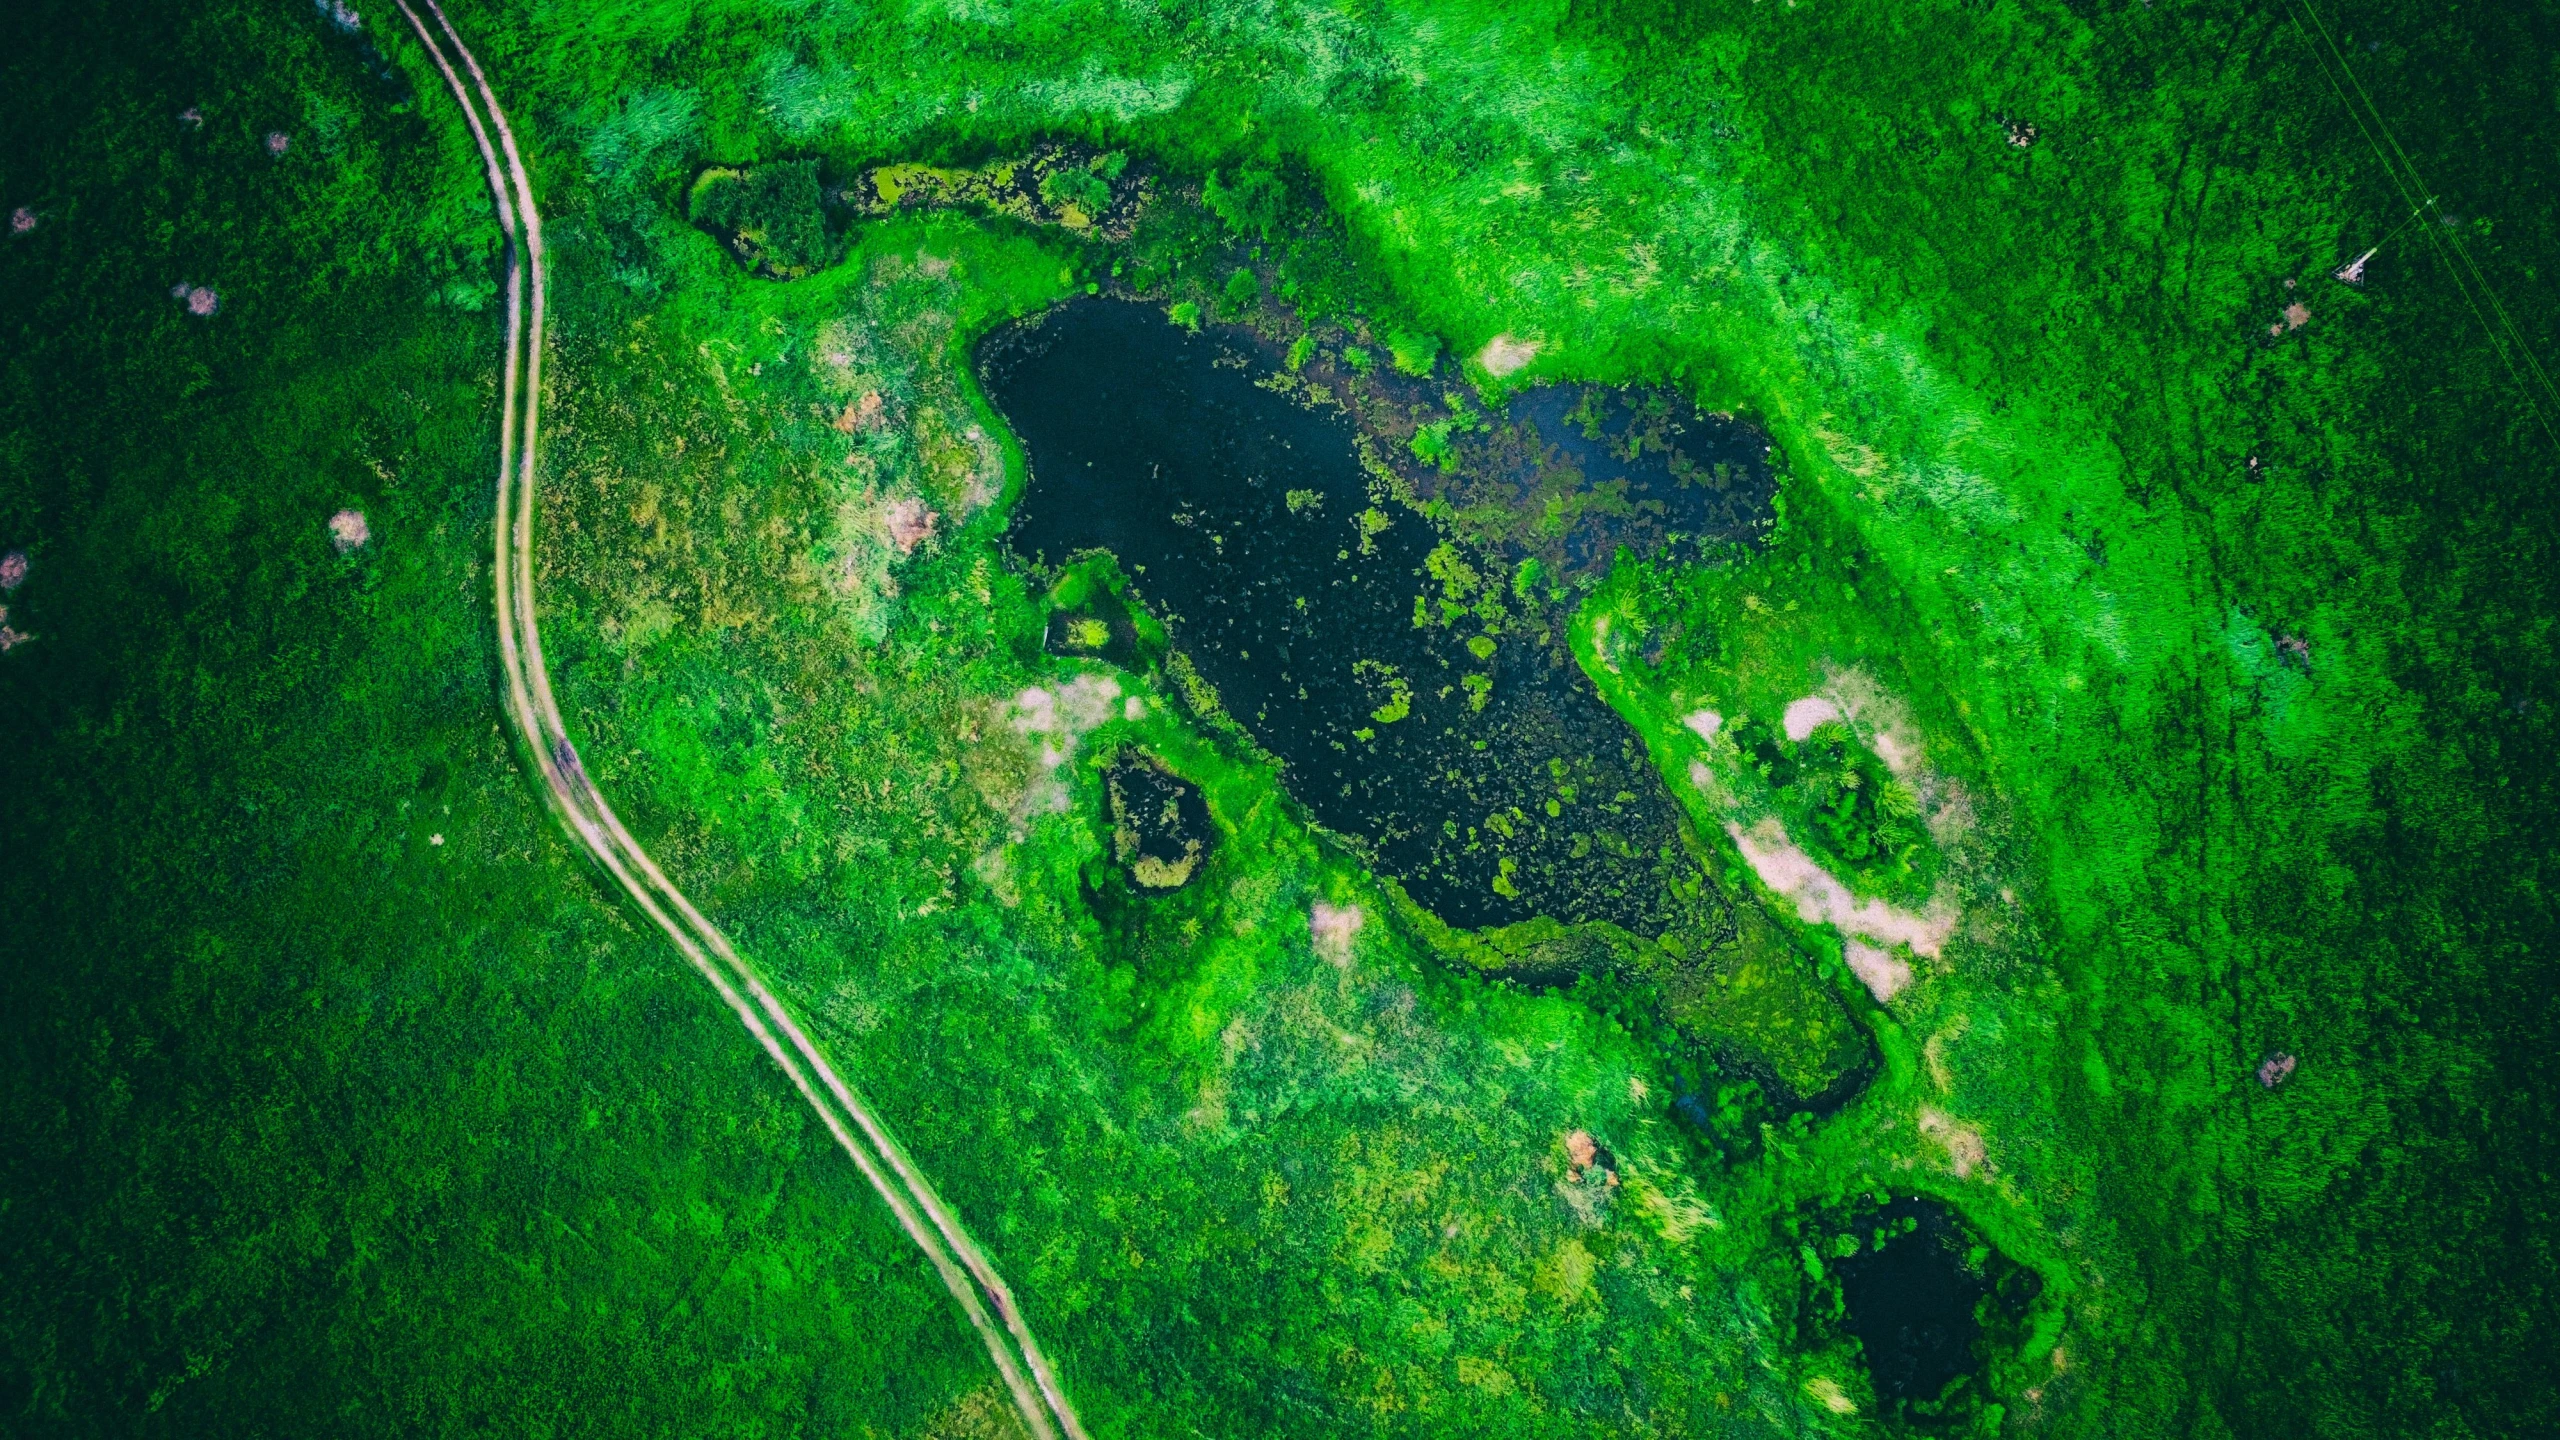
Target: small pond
1918 1304
1160 826
1416 698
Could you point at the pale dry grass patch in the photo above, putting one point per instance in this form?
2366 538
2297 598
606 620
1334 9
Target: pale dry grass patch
1504 355
1332 929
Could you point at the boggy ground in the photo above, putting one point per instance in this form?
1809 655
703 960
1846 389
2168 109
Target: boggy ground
1927 1300
1564 477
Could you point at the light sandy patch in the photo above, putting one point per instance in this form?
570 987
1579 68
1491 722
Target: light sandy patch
1676 1212
1962 1143
1896 754
1068 711
936 266
994 869
1333 928
1706 722
1882 970
1133 710
1821 899
1951 815
864 413
1715 790
1933 1054
1502 355
1805 715
1881 720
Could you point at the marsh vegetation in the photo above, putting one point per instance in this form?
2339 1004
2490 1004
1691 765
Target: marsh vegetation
2222 652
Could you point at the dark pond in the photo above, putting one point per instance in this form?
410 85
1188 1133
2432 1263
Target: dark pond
1917 1305
1415 697
1160 826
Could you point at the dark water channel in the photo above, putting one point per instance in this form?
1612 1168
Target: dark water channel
1414 697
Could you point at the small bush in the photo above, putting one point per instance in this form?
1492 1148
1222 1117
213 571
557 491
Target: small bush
1413 354
1241 293
1252 204
1082 189
772 216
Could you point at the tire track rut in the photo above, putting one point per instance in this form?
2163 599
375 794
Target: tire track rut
965 1269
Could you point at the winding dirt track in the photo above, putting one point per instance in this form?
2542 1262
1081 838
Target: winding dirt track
964 1268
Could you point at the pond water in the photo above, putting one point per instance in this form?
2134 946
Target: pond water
1918 1304
1570 474
1414 698
1160 827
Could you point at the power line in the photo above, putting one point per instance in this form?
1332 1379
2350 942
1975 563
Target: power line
2504 332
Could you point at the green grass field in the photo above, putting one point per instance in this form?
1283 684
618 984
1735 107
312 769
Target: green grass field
2208 595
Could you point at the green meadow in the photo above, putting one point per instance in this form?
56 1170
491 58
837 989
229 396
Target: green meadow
2187 612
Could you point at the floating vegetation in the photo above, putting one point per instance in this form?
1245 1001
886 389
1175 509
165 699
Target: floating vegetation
788 219
1073 187
1160 826
1420 699
1567 475
1561 477
1413 698
1927 1303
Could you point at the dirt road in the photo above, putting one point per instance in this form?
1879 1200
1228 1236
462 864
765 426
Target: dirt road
964 1268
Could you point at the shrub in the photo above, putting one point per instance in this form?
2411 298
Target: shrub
1241 291
1413 353
772 216
1251 205
1082 189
